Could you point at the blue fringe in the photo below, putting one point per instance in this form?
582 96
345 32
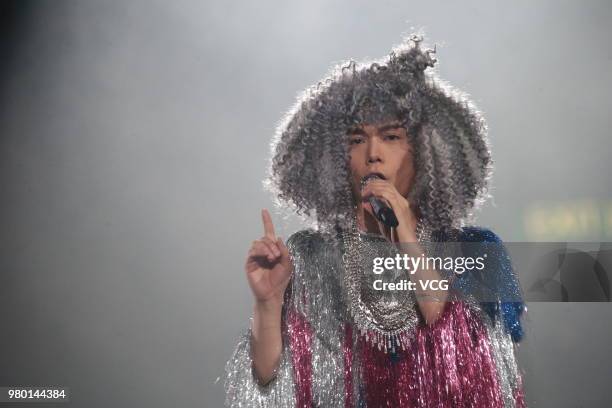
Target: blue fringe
496 281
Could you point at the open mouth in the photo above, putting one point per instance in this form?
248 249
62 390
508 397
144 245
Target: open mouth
371 176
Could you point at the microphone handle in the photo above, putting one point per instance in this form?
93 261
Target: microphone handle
383 212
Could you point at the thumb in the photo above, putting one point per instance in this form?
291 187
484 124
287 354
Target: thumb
283 248
285 256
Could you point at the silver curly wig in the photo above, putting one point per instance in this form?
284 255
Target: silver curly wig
309 171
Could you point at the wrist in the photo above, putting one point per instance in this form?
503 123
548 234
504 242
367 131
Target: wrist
405 234
267 315
269 306
406 230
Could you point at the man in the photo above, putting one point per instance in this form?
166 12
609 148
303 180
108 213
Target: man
321 335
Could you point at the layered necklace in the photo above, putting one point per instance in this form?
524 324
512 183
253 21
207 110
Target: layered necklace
387 319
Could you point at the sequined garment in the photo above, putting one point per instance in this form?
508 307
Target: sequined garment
466 358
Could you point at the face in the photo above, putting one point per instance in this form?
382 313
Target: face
381 148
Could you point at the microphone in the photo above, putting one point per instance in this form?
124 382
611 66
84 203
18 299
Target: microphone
382 211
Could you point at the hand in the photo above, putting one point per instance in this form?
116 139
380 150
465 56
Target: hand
268 266
406 230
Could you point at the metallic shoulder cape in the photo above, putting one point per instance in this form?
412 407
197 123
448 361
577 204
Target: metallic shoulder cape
467 358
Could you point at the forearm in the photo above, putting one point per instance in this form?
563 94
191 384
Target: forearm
431 301
266 342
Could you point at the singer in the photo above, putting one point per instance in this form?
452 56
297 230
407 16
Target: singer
385 135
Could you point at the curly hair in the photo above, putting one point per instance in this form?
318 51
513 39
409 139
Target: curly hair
309 170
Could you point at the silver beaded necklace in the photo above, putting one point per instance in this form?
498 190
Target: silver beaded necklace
386 319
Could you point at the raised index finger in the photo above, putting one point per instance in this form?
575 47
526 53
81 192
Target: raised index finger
268 226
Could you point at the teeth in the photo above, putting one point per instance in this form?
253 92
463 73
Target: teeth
371 176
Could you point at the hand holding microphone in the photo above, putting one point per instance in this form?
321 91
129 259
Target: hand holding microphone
382 211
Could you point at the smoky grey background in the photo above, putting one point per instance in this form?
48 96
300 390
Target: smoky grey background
135 136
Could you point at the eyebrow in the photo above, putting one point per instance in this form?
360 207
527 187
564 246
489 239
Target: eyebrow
360 131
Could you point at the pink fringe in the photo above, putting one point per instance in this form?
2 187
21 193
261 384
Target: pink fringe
348 366
300 335
448 364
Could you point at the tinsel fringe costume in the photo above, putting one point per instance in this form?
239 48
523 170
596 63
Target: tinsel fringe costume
466 358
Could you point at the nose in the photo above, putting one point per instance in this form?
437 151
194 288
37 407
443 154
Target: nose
374 151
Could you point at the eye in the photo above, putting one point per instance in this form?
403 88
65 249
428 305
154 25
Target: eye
355 140
392 137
